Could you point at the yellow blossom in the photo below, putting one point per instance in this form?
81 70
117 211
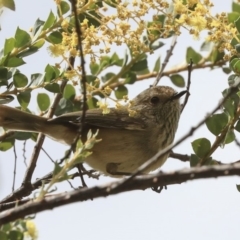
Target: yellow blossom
107 90
56 50
65 23
31 229
198 22
70 74
104 107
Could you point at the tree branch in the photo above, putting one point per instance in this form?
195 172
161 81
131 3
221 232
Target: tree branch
143 182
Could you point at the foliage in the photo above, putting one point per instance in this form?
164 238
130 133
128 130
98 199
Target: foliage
107 25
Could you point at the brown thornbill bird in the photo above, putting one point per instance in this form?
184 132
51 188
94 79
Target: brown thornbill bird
127 141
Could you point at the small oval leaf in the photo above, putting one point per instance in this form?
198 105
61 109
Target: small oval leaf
216 123
69 92
24 99
43 101
20 80
201 147
120 92
177 80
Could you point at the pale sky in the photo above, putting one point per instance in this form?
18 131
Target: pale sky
203 209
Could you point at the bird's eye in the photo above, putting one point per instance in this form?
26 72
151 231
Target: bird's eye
154 100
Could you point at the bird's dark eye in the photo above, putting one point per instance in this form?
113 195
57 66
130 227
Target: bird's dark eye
154 100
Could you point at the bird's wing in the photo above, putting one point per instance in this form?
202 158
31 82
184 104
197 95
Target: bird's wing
119 119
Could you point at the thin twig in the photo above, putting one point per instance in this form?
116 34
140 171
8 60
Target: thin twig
190 65
83 83
24 153
48 155
15 167
181 157
166 60
171 71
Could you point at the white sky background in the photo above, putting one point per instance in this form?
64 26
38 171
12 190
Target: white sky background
202 209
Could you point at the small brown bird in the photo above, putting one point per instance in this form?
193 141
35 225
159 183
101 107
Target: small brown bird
127 142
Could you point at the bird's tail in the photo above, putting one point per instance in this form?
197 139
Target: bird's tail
14 119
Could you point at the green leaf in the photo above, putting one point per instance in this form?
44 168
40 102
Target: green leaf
55 37
64 8
10 4
92 17
3 73
115 60
237 47
235 65
235 7
22 136
14 62
24 99
36 79
64 106
92 103
194 160
232 17
201 147
3 236
237 24
233 80
94 67
216 123
104 62
37 27
238 187
226 70
51 73
50 21
177 80
27 52
39 43
57 169
108 76
6 144
130 78
230 137
6 99
230 107
91 78
16 235
139 66
43 101
20 80
157 65
69 92
192 54
156 45
22 38
237 127
53 87
120 92
8 46
207 46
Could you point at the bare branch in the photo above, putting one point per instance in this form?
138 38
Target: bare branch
151 180
15 167
169 54
190 65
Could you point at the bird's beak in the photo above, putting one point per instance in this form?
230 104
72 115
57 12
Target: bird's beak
178 95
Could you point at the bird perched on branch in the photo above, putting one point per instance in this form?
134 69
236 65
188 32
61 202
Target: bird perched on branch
127 141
